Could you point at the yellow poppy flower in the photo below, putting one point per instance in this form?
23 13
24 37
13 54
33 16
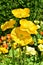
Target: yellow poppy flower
40 47
21 37
3 50
30 51
8 24
21 13
28 26
40 41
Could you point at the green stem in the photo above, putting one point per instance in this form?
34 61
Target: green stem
20 58
34 60
39 63
24 56
13 59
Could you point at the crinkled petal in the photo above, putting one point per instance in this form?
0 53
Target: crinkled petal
29 26
8 24
21 13
21 37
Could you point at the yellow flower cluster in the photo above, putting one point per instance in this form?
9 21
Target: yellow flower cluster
3 50
21 13
8 24
22 34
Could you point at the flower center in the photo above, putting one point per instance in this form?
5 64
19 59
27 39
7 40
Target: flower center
21 34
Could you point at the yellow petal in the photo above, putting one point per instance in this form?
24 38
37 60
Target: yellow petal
40 41
3 50
8 24
15 45
40 47
30 51
21 37
21 13
29 26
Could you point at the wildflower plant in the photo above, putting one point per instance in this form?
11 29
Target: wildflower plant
21 32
